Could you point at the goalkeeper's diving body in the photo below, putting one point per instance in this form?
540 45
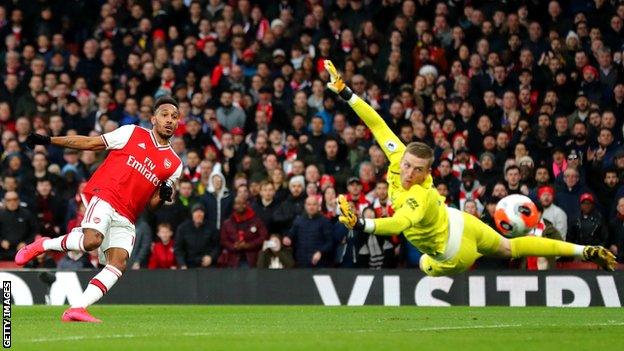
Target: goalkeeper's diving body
449 239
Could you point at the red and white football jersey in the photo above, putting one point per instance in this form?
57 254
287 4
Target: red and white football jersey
133 170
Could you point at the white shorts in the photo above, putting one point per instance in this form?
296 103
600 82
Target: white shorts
118 231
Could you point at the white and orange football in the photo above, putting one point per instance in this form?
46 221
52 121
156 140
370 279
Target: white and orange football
516 215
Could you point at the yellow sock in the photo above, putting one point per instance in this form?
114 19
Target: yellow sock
543 247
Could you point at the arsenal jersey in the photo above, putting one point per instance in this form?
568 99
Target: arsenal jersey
135 168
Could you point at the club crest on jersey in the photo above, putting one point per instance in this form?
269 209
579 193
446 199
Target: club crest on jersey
391 145
167 163
96 220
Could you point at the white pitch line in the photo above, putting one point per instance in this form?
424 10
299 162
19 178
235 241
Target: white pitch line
466 327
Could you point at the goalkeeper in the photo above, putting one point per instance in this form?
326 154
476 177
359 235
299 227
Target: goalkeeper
449 239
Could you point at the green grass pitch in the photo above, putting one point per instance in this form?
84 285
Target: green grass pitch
319 328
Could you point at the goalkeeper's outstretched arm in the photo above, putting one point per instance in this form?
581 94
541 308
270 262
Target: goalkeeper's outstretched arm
388 141
402 219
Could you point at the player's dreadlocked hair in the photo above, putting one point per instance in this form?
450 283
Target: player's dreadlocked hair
166 99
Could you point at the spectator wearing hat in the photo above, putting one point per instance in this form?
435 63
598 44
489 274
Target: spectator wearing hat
553 213
527 166
355 194
217 199
590 83
463 160
470 189
589 227
196 243
242 236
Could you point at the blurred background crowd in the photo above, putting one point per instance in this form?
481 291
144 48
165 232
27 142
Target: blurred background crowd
515 97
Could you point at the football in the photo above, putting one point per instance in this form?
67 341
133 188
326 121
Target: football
515 215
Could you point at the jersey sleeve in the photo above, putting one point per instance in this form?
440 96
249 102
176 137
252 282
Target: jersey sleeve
118 138
176 175
389 142
411 212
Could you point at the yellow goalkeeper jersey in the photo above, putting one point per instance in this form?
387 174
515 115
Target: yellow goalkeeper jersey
420 211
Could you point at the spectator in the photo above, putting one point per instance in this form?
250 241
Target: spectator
374 252
616 232
18 226
72 261
589 228
551 212
217 200
50 210
228 115
275 256
293 205
162 256
607 190
569 193
196 242
142 243
310 236
266 205
242 236
544 229
356 195
177 211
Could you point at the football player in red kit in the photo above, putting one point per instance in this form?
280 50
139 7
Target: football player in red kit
140 169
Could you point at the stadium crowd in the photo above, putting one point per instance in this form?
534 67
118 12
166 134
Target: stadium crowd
517 97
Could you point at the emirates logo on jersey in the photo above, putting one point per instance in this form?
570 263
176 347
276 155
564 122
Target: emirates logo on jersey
167 163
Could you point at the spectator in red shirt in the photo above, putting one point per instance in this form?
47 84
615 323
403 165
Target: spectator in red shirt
242 236
162 256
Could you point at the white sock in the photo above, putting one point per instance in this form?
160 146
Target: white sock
72 241
98 286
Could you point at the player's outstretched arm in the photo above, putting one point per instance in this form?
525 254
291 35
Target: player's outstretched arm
378 226
79 142
388 141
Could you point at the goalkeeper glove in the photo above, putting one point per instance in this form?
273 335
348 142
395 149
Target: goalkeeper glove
348 217
165 192
336 83
37 139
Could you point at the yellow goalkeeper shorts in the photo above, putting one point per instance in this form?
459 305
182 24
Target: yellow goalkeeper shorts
469 239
